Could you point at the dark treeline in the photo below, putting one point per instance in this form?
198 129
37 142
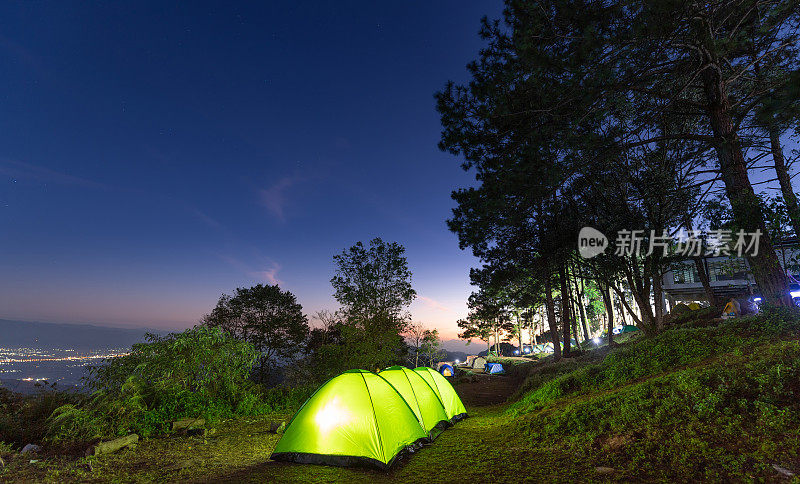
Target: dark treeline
620 116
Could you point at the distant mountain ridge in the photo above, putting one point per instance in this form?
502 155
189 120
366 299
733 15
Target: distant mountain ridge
28 334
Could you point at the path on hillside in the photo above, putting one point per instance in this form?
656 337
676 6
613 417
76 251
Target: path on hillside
486 390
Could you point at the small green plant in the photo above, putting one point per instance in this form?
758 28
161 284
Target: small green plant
69 421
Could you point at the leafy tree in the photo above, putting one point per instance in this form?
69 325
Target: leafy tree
430 349
415 334
473 327
270 319
373 285
636 96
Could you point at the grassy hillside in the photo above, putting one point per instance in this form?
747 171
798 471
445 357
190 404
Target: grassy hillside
709 400
719 403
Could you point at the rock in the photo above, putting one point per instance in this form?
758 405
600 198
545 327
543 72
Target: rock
30 448
782 471
604 471
112 445
276 427
187 423
33 461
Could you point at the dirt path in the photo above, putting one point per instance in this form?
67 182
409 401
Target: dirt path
486 390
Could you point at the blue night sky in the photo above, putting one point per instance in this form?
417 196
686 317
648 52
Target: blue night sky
154 156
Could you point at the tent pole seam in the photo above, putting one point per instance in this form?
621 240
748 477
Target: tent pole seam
424 427
375 417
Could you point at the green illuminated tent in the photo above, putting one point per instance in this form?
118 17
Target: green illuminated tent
452 403
419 395
356 418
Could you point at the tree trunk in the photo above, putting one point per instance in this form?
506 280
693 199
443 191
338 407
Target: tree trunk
625 305
702 268
606 292
658 296
767 271
565 309
705 279
580 290
640 290
551 314
496 338
573 316
785 181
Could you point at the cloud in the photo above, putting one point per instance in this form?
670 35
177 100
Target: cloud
270 275
274 198
434 304
22 170
258 272
200 215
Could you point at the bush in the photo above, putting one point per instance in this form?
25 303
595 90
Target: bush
68 421
23 418
202 372
287 398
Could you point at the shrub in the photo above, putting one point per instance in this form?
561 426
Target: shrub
202 372
23 418
68 421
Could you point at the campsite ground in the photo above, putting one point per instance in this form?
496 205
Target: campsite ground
239 450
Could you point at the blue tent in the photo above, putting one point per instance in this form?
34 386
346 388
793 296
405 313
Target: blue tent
446 370
494 369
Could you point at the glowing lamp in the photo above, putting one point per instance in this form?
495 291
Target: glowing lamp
331 415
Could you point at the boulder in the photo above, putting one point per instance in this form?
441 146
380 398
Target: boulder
188 423
110 446
276 427
604 471
782 471
32 448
